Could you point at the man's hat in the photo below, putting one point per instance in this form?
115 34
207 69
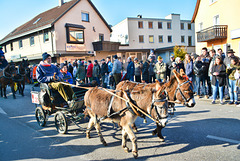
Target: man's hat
1 47
230 51
45 55
160 58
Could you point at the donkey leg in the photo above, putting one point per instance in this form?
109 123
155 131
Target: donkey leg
4 91
90 125
98 128
13 92
159 132
124 141
133 139
134 127
1 90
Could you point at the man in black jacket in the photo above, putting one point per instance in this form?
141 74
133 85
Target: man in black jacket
200 72
104 72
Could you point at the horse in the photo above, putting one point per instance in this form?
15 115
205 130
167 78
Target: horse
102 106
6 78
177 89
20 78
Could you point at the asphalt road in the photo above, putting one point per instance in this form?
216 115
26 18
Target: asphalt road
205 132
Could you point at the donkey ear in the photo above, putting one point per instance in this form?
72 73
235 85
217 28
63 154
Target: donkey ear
176 75
182 72
157 87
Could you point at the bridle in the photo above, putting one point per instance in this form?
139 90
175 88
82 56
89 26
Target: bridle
186 100
154 107
5 73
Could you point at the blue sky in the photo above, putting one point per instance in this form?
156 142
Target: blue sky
16 12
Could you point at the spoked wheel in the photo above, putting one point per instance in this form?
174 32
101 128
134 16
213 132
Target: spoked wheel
40 116
61 122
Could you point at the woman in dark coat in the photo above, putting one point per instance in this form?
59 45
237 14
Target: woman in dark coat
218 79
145 72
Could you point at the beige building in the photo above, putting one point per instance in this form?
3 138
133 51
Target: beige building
216 25
70 31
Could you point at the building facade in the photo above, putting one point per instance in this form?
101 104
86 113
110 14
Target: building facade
216 25
67 32
138 36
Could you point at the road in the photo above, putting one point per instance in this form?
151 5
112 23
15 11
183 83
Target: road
205 132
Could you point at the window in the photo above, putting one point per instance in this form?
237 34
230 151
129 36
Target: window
169 25
150 25
159 25
189 40
5 47
75 33
169 39
31 40
189 26
141 38
101 37
160 38
20 44
85 17
182 26
45 36
140 24
11 46
200 26
216 20
182 39
151 39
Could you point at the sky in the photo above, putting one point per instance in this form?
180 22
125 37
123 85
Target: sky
14 13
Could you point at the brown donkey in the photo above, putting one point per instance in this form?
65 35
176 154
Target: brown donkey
177 89
102 106
6 78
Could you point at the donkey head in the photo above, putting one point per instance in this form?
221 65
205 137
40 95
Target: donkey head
180 89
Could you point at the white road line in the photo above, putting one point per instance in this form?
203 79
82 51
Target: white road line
2 111
223 139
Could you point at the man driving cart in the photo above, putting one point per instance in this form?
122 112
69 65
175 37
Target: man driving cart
50 74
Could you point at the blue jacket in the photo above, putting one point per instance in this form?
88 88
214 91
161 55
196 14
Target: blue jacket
68 75
130 69
3 61
110 67
189 70
45 73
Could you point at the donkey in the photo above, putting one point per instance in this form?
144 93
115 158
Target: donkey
20 78
177 89
103 106
6 78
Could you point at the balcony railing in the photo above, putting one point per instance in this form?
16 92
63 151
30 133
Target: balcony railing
212 33
106 46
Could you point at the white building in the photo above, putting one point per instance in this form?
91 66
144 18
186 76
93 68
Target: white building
140 35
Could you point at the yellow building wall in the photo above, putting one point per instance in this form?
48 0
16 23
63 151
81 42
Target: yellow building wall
229 13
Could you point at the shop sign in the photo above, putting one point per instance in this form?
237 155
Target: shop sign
75 47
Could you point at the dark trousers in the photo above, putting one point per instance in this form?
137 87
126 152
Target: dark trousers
209 86
117 78
138 78
152 78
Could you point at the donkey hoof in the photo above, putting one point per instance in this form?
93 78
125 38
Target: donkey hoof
161 139
87 135
135 130
153 133
135 155
104 143
126 149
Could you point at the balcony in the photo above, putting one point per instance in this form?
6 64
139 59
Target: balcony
212 33
105 46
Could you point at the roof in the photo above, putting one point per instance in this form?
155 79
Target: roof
195 11
47 18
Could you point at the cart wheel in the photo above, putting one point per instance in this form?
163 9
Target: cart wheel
40 116
61 122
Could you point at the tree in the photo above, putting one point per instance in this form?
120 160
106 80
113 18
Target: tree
179 52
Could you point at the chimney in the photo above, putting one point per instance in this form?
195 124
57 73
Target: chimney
60 2
139 16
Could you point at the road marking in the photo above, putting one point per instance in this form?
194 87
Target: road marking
2 111
223 139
